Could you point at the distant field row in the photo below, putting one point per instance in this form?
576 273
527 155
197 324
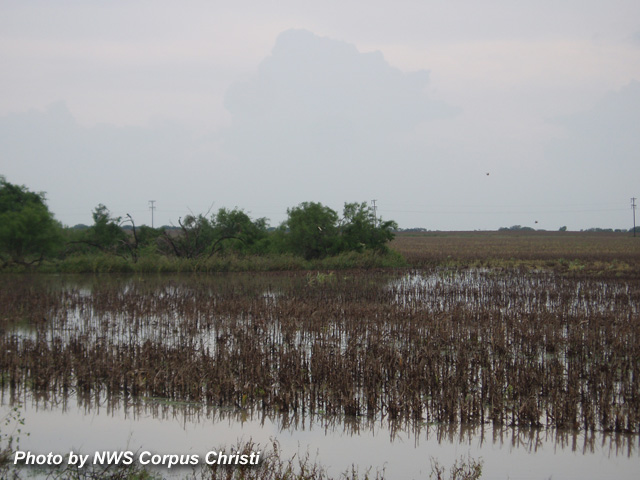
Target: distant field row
617 252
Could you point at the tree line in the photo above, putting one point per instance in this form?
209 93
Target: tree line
29 233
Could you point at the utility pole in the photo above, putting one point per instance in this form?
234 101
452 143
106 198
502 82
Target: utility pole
152 207
375 217
633 207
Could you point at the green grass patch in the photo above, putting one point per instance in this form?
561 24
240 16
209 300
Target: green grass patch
153 263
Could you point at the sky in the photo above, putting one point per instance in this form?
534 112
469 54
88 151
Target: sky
460 115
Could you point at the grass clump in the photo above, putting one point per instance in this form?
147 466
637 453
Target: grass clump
227 262
462 469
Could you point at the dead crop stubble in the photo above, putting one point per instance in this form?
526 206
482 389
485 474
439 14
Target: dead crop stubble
436 345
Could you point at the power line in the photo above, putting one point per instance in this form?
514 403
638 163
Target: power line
479 209
375 217
633 207
152 207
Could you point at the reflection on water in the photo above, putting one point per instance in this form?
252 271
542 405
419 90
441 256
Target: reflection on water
402 450
538 292
568 326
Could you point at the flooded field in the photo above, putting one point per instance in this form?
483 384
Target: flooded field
398 450
536 373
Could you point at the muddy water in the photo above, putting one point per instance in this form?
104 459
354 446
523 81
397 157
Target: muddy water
402 452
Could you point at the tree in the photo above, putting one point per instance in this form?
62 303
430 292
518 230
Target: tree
361 230
235 229
106 232
28 230
108 235
200 236
312 230
148 237
194 238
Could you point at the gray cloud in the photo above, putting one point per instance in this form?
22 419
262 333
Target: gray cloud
323 97
595 162
80 167
318 121
606 137
321 121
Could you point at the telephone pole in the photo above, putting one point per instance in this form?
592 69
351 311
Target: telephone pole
633 207
375 217
152 207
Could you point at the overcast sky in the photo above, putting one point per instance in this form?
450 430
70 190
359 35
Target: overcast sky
455 115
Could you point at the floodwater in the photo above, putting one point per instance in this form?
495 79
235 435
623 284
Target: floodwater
61 424
336 443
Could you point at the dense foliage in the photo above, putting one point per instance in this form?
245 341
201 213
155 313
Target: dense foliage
28 230
315 231
312 231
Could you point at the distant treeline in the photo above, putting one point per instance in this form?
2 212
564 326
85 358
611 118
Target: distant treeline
520 228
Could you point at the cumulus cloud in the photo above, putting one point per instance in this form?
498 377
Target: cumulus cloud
320 99
317 121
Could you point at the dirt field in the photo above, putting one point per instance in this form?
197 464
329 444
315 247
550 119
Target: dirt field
617 253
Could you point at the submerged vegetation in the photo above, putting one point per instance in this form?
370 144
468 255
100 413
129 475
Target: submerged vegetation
452 346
